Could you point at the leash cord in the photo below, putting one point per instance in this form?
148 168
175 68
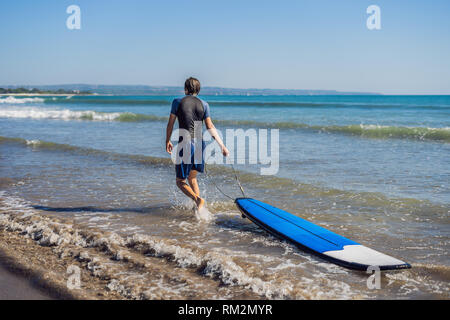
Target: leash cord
217 187
239 183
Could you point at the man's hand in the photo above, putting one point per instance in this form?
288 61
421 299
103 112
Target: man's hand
169 147
225 151
169 129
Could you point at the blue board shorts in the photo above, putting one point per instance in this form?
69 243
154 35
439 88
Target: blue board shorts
182 170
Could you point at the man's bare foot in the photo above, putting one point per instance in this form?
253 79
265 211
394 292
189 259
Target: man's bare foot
200 203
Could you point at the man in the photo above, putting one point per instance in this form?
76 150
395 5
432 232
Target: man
191 111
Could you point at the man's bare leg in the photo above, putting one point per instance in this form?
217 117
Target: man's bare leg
187 190
192 179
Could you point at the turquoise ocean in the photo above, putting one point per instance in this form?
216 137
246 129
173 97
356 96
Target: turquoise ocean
375 169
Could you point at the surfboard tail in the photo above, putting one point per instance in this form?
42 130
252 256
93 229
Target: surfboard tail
363 258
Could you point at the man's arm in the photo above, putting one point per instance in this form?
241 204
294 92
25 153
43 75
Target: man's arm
169 145
213 132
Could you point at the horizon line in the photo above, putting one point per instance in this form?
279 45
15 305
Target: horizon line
226 88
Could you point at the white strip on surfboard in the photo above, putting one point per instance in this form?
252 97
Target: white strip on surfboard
363 255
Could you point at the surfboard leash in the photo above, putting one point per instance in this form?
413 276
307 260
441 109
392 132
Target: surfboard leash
217 187
239 182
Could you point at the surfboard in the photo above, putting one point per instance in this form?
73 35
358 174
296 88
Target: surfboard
316 239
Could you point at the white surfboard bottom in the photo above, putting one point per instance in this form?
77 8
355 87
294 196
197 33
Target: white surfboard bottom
363 255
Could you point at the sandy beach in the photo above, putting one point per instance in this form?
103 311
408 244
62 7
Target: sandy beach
34 267
43 247
17 287
29 271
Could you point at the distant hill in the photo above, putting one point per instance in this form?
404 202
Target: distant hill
21 90
172 90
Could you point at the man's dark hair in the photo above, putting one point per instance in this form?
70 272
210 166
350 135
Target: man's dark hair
192 86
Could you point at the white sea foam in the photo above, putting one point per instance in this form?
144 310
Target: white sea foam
213 264
203 215
13 100
33 142
64 114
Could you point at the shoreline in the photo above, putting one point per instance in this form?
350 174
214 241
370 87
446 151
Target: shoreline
110 267
36 270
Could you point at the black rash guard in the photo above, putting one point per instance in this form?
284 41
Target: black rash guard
190 111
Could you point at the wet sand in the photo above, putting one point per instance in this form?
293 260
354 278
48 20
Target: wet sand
32 271
44 248
14 287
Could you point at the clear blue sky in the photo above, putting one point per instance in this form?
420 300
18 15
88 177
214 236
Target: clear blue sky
242 44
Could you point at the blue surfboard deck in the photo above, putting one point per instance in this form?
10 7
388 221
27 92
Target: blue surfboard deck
315 239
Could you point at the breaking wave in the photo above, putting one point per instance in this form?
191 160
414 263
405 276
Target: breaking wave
361 130
52 146
166 101
143 100
13 100
376 131
66 114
